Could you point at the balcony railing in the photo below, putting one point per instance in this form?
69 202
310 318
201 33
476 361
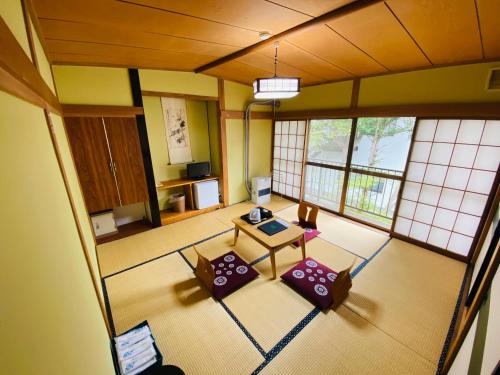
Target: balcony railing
371 196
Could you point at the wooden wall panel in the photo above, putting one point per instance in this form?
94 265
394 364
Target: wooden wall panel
489 21
446 30
90 152
126 152
377 32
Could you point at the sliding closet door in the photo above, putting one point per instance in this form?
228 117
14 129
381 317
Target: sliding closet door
90 152
128 165
450 175
288 156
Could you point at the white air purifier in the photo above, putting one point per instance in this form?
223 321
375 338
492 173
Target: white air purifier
261 190
206 194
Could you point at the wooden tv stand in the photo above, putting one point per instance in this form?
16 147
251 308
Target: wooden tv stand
168 216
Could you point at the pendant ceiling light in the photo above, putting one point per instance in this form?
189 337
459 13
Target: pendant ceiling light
276 87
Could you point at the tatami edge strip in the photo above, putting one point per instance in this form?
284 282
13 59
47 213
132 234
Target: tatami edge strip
243 329
108 307
169 253
287 339
453 323
230 313
363 264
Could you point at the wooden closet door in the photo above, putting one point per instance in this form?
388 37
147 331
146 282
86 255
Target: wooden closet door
90 152
123 139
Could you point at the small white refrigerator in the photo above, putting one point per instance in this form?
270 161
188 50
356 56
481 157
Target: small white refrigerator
206 194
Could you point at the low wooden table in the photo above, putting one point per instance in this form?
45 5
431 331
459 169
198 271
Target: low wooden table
273 243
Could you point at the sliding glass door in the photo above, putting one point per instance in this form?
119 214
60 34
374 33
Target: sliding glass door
327 150
355 167
380 150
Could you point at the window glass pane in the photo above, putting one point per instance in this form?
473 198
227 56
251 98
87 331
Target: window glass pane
329 141
323 186
382 143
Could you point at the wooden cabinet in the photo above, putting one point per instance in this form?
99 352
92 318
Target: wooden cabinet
108 160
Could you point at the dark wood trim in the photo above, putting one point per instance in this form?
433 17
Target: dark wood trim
488 215
240 115
29 34
162 94
223 142
427 246
154 207
79 110
304 160
355 92
350 148
470 314
324 18
451 110
403 177
20 77
38 29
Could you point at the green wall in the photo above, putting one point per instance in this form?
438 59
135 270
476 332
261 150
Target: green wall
198 135
48 299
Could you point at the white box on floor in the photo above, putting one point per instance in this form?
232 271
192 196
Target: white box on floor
103 223
261 190
206 194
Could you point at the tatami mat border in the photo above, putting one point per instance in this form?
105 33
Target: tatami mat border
451 330
366 261
169 253
268 356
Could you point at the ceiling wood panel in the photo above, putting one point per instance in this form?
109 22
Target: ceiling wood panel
293 56
266 63
117 35
141 18
389 36
489 19
256 15
377 32
238 72
170 59
313 7
327 44
446 30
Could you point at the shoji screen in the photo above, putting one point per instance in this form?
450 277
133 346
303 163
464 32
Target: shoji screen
450 175
288 154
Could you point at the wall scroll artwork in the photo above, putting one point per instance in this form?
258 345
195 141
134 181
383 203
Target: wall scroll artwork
176 130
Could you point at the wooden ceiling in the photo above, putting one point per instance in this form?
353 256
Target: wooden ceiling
381 37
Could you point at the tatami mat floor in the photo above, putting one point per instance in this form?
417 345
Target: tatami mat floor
394 321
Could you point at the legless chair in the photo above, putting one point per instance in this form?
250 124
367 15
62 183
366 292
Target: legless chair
225 274
308 213
341 286
204 271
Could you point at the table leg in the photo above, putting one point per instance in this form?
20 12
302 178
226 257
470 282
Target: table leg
236 233
303 246
273 262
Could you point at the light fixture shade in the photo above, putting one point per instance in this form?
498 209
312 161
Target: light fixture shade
276 88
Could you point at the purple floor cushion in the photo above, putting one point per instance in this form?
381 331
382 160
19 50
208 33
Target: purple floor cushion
313 280
231 273
310 234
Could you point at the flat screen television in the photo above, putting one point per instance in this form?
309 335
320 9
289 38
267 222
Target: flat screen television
198 170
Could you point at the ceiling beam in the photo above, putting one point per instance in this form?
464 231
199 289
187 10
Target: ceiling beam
324 18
